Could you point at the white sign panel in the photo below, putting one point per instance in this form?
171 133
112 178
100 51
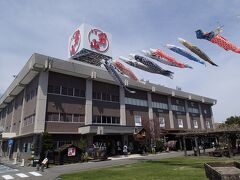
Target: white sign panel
89 38
72 151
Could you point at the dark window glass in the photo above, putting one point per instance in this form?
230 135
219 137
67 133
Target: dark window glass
55 117
94 120
68 118
76 118
99 119
62 117
104 119
64 90
70 91
113 98
56 89
104 97
50 89
82 93
114 120
108 97
117 120
94 95
108 120
36 90
117 98
32 94
82 118
77 92
28 97
98 95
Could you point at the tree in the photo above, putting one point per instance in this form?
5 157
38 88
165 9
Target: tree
47 143
233 120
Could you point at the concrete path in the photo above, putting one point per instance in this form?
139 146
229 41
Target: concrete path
54 171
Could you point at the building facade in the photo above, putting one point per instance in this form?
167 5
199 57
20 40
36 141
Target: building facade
74 100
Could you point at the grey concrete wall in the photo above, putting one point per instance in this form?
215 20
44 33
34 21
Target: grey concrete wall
171 122
122 107
41 105
88 106
187 115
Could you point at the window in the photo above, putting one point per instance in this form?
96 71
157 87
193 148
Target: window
104 119
109 120
159 105
77 92
64 90
136 102
56 89
68 118
178 108
180 123
104 96
99 119
62 117
94 120
118 120
193 110
55 117
115 98
82 93
98 95
114 120
108 97
137 120
76 118
195 124
50 89
207 125
70 92
161 122
32 94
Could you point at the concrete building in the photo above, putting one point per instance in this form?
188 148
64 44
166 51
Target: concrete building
73 100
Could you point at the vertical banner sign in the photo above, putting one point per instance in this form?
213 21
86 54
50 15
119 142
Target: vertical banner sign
72 151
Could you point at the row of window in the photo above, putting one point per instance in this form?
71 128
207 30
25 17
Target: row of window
67 91
105 120
193 110
63 117
30 95
29 120
138 122
105 96
136 102
178 108
159 105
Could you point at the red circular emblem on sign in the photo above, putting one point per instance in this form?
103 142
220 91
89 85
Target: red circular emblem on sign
98 40
75 42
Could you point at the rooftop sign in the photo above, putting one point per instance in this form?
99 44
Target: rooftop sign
89 44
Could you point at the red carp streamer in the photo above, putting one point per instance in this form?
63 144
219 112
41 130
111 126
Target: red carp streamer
225 44
163 55
125 70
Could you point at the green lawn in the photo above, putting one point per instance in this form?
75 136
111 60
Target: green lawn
183 168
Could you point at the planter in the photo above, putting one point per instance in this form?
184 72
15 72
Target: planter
222 171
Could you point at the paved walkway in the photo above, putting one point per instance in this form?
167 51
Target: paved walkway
54 171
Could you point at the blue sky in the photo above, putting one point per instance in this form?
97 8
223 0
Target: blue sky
44 27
